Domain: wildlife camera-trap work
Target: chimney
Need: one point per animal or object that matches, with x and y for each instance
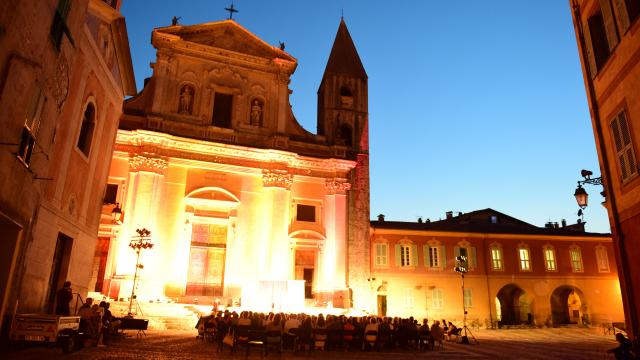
(419, 219)
(381, 217)
(548, 225)
(449, 215)
(555, 225)
(564, 222)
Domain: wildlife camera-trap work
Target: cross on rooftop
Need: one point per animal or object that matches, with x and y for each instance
(231, 10)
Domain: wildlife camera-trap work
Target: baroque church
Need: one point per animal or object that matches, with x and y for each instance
(243, 204)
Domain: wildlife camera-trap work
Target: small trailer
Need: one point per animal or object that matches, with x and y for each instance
(63, 330)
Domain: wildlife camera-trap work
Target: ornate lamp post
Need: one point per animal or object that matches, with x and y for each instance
(462, 267)
(137, 243)
(582, 197)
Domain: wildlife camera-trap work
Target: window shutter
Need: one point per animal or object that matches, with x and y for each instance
(427, 255)
(456, 251)
(588, 45)
(414, 255)
(626, 140)
(443, 257)
(609, 24)
(472, 257)
(623, 15)
(398, 261)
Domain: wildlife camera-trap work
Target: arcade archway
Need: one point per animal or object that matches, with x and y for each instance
(514, 304)
(568, 306)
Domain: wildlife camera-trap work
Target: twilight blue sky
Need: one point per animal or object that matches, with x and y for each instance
(472, 104)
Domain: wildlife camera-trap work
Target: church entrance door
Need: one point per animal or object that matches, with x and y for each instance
(206, 260)
(305, 269)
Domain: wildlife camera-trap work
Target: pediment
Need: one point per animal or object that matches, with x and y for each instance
(227, 35)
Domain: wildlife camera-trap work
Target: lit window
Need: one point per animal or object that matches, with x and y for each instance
(405, 255)
(31, 127)
(408, 297)
(381, 254)
(86, 129)
(437, 300)
(525, 260)
(602, 258)
(549, 259)
(434, 256)
(576, 259)
(624, 146)
(496, 258)
(468, 302)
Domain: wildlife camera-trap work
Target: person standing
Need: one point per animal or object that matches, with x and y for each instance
(63, 298)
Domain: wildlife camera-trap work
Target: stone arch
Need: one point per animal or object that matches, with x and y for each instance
(568, 306)
(515, 305)
(346, 96)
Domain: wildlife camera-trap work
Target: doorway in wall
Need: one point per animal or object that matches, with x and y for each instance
(59, 267)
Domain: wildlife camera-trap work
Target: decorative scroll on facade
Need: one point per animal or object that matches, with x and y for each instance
(337, 186)
(277, 178)
(143, 163)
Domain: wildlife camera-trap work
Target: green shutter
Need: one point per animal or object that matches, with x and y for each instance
(414, 255)
(609, 24)
(623, 15)
(398, 261)
(472, 257)
(427, 255)
(443, 257)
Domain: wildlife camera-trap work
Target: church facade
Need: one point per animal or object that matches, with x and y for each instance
(243, 204)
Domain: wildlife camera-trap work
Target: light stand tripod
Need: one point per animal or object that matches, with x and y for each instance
(462, 268)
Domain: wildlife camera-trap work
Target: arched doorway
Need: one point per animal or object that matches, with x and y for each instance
(382, 300)
(568, 306)
(515, 305)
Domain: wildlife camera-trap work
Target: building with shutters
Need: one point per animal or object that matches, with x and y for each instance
(65, 69)
(608, 37)
(518, 273)
(244, 205)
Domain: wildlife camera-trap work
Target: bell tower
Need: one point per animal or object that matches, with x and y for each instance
(343, 120)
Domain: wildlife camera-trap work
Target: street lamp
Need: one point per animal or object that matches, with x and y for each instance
(582, 197)
(137, 243)
(116, 214)
(462, 267)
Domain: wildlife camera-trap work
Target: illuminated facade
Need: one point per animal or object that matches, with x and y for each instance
(519, 273)
(66, 69)
(243, 204)
(609, 46)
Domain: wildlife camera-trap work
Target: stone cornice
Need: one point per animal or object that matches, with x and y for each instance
(169, 42)
(169, 146)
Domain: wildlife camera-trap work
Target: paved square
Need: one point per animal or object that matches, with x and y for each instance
(493, 344)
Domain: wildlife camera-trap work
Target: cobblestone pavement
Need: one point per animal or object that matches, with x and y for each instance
(493, 344)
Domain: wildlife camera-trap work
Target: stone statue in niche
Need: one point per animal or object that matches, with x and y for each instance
(186, 100)
(256, 113)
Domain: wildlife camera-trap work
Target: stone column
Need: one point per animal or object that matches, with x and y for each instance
(334, 256)
(143, 199)
(277, 199)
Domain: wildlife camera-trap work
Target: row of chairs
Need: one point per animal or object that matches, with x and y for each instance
(245, 338)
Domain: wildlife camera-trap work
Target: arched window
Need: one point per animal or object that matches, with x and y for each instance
(549, 258)
(86, 130)
(346, 97)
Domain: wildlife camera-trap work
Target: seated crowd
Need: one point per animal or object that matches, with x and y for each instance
(97, 322)
(302, 332)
